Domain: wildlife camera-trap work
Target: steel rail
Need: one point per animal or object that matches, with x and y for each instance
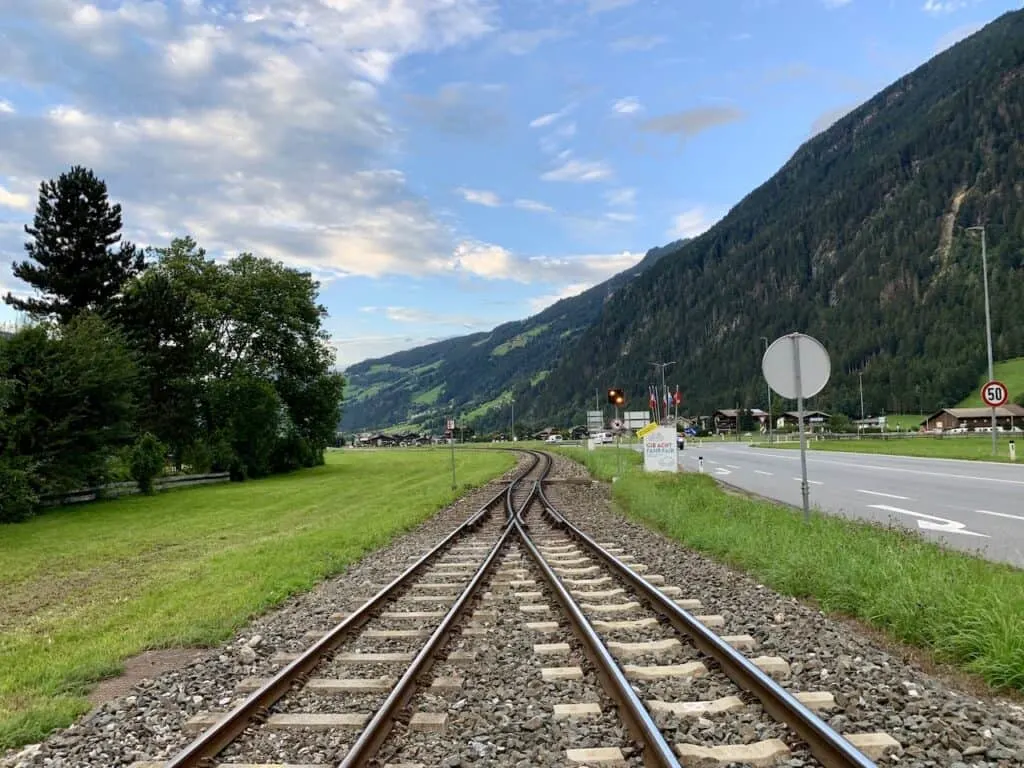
(377, 730)
(657, 752)
(827, 746)
(202, 751)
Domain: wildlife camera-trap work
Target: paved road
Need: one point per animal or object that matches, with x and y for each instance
(970, 505)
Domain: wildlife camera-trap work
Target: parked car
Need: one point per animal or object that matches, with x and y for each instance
(554, 438)
(602, 438)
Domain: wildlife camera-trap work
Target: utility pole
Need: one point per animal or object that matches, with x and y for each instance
(860, 376)
(768, 387)
(664, 391)
(513, 437)
(988, 324)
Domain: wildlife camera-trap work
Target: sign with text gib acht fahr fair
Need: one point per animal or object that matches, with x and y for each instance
(660, 452)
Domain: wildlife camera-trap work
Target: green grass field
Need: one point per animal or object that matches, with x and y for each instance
(963, 609)
(1010, 372)
(974, 448)
(86, 587)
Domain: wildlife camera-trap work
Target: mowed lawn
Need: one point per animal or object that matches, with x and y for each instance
(83, 588)
(977, 448)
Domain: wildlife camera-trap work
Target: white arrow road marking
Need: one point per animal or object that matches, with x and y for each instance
(762, 472)
(999, 514)
(932, 523)
(721, 471)
(886, 495)
(809, 482)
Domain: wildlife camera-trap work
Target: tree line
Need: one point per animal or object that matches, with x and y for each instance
(136, 360)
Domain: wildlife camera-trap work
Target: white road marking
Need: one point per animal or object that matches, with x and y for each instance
(999, 514)
(732, 466)
(762, 472)
(930, 522)
(809, 482)
(721, 471)
(885, 495)
(772, 453)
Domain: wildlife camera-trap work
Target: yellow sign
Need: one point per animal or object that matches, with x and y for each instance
(645, 430)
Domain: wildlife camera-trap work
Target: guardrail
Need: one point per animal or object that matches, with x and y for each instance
(130, 488)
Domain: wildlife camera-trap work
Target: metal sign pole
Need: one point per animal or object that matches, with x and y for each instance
(452, 444)
(804, 490)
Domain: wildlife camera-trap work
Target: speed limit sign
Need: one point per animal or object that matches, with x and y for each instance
(995, 394)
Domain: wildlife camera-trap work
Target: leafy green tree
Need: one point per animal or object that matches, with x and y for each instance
(71, 261)
(840, 422)
(71, 405)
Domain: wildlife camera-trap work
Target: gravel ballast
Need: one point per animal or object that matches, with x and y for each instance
(875, 690)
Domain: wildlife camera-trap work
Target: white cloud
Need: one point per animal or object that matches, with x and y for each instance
(638, 43)
(621, 197)
(691, 223)
(492, 262)
(418, 316)
(6, 107)
(601, 6)
(626, 106)
(14, 200)
(538, 303)
(836, 3)
(276, 141)
(618, 216)
(578, 171)
(533, 205)
(551, 117)
(353, 349)
(520, 42)
(938, 7)
(480, 197)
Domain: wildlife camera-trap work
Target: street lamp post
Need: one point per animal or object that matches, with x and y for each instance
(663, 366)
(988, 323)
(768, 387)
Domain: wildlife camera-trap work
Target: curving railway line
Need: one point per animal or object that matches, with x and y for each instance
(385, 674)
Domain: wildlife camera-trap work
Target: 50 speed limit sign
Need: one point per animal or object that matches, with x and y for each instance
(995, 394)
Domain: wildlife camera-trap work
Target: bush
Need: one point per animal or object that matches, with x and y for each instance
(148, 461)
(198, 458)
(18, 499)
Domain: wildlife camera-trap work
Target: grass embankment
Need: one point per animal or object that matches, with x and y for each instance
(1010, 372)
(964, 609)
(974, 448)
(83, 588)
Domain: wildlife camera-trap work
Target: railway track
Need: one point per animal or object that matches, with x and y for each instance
(632, 661)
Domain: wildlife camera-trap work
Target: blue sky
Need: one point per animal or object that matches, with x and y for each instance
(441, 165)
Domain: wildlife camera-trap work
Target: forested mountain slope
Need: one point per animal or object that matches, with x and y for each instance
(858, 240)
(480, 372)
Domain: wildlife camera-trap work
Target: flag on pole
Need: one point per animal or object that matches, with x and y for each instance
(650, 395)
(678, 398)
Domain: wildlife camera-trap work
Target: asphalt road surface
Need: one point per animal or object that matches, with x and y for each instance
(970, 505)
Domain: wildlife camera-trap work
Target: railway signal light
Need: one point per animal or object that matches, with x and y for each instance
(616, 397)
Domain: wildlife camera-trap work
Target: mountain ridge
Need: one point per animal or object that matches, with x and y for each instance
(481, 372)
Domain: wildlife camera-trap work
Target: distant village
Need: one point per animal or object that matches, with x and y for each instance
(1009, 418)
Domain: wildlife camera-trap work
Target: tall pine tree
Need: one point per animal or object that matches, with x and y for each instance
(71, 261)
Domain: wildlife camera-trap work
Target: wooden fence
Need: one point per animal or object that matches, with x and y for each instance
(113, 490)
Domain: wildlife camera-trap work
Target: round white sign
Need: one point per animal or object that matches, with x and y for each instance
(779, 365)
(995, 394)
